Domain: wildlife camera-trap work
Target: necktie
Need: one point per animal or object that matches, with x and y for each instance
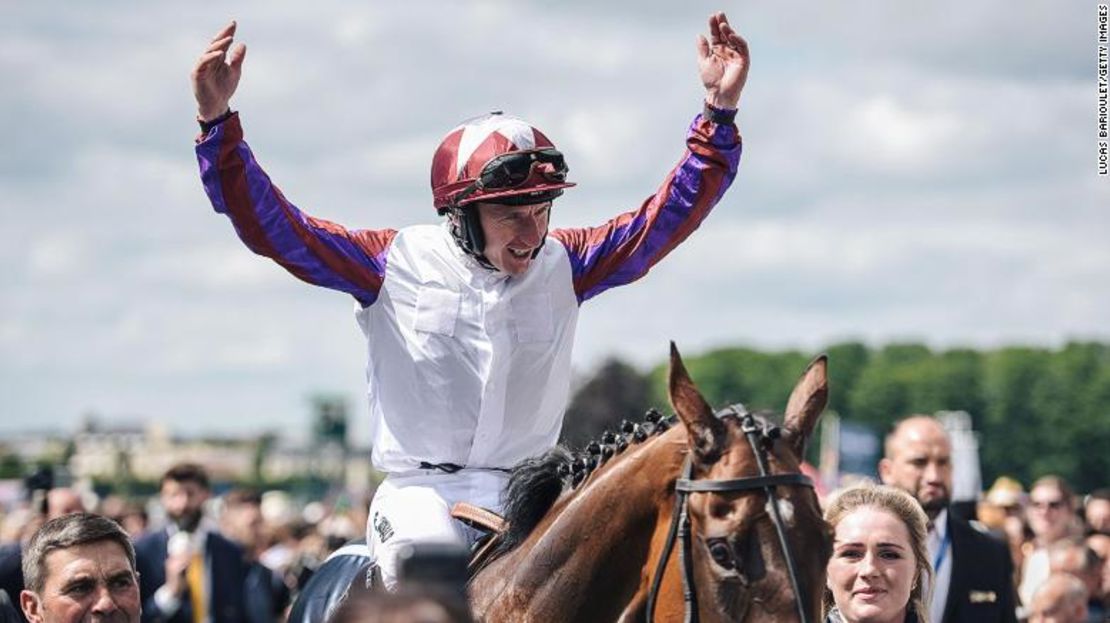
(194, 576)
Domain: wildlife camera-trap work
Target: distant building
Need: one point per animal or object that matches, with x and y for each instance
(109, 453)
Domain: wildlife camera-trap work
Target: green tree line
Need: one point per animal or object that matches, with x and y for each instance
(1037, 410)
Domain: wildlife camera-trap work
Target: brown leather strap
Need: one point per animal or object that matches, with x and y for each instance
(484, 554)
(478, 517)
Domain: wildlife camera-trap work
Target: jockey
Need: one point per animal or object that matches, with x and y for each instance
(469, 323)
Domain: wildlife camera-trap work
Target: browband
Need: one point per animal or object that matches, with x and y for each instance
(740, 484)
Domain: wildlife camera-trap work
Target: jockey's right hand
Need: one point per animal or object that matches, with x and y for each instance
(216, 74)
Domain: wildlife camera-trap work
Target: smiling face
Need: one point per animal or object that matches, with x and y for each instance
(88, 583)
(513, 234)
(871, 572)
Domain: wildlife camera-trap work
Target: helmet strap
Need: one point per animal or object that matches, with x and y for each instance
(466, 229)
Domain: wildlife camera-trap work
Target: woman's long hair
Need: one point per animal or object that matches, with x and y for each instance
(904, 507)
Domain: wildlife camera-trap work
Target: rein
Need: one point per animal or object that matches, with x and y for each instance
(680, 519)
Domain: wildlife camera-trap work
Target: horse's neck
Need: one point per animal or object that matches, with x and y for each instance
(598, 538)
(628, 492)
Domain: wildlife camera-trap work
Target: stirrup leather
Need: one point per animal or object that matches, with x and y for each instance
(487, 521)
(478, 518)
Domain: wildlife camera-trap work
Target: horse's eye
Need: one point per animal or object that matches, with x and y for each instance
(721, 553)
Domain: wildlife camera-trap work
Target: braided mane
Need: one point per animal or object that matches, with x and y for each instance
(536, 483)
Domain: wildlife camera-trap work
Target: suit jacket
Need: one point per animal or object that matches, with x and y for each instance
(982, 587)
(266, 594)
(9, 613)
(11, 576)
(225, 578)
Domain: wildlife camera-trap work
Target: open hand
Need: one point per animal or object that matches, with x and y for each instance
(723, 62)
(216, 74)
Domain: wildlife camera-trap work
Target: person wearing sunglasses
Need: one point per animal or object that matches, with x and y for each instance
(1052, 518)
(469, 323)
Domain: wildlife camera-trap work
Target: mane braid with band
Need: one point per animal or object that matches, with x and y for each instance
(536, 483)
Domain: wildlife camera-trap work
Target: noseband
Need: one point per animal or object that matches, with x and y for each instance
(757, 436)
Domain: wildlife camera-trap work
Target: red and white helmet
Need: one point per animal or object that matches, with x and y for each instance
(465, 151)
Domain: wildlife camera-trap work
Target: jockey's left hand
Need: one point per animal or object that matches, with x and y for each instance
(723, 62)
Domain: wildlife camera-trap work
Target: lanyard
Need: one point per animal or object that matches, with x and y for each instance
(938, 560)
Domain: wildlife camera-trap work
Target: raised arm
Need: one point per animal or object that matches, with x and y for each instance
(626, 247)
(313, 250)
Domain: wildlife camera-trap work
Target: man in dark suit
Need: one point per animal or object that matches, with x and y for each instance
(188, 572)
(11, 578)
(971, 571)
(8, 612)
(241, 520)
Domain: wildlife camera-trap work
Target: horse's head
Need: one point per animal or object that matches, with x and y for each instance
(738, 565)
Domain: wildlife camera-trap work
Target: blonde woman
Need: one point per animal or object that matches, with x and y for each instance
(879, 571)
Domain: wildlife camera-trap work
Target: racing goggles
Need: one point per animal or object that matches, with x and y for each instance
(516, 169)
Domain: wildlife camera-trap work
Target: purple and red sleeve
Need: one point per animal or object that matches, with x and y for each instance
(313, 250)
(624, 249)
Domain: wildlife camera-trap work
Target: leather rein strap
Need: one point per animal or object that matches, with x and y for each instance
(680, 519)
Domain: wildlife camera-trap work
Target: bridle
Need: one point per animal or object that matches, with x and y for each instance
(758, 435)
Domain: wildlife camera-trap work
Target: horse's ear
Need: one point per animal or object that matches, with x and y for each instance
(705, 431)
(807, 402)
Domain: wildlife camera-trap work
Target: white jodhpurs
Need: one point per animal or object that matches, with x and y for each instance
(415, 507)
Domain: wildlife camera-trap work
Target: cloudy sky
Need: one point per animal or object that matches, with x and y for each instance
(912, 171)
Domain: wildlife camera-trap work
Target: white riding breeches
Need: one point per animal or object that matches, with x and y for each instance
(415, 507)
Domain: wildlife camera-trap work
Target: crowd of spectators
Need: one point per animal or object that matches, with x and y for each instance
(1060, 544)
(238, 556)
(243, 555)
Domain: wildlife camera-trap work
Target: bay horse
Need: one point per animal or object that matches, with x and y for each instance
(591, 538)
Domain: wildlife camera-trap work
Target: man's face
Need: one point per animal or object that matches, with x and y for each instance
(87, 583)
(184, 502)
(1049, 513)
(920, 462)
(1098, 516)
(513, 233)
(244, 524)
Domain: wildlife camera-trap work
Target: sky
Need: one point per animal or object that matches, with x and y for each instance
(911, 172)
